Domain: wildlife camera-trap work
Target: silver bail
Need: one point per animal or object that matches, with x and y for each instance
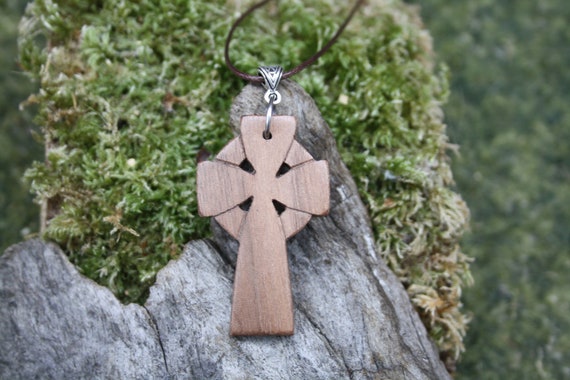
(271, 78)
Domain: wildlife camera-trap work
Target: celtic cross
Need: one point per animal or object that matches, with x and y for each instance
(263, 191)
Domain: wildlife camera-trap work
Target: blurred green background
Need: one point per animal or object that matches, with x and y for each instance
(18, 215)
(509, 111)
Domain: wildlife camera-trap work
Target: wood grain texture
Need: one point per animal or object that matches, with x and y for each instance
(297, 155)
(57, 324)
(262, 303)
(353, 318)
(221, 187)
(232, 152)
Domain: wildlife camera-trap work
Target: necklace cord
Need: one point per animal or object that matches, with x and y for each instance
(296, 69)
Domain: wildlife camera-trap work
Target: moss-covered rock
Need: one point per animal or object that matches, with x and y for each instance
(131, 92)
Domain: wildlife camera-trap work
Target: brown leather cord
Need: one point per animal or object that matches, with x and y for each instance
(296, 69)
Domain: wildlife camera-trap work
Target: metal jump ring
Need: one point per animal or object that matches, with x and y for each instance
(275, 94)
(266, 132)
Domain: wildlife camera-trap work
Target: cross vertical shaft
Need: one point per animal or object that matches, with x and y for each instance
(262, 302)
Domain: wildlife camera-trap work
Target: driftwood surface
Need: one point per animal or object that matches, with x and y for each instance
(353, 319)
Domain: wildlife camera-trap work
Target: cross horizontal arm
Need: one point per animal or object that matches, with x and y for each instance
(306, 188)
(221, 186)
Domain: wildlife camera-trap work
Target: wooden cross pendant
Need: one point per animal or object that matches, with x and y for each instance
(263, 191)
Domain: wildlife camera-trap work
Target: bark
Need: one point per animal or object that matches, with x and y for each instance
(353, 318)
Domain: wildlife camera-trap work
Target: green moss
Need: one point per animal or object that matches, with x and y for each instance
(132, 91)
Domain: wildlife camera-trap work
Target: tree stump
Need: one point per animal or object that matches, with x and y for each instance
(353, 318)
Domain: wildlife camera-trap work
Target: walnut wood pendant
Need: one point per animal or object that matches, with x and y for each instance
(263, 191)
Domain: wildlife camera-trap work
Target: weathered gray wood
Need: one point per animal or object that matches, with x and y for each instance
(57, 324)
(353, 319)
